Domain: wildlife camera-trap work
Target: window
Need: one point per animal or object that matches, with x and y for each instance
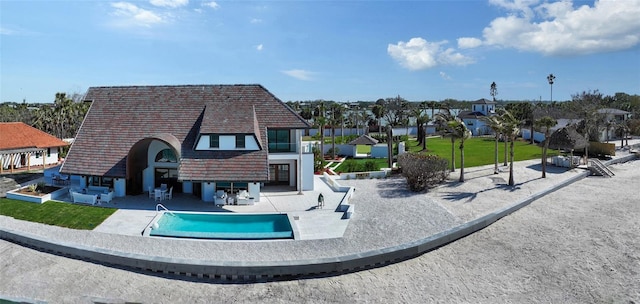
(214, 141)
(279, 141)
(48, 152)
(166, 156)
(240, 141)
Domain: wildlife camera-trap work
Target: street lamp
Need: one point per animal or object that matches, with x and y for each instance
(550, 78)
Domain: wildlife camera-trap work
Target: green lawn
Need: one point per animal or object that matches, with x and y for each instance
(56, 213)
(478, 151)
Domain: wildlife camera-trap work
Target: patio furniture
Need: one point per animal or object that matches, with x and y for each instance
(169, 195)
(163, 187)
(243, 198)
(84, 198)
(151, 193)
(159, 194)
(220, 198)
(106, 197)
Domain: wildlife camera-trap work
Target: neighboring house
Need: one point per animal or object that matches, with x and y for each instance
(23, 146)
(473, 119)
(195, 138)
(613, 118)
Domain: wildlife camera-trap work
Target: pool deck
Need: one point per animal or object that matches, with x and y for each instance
(388, 217)
(135, 213)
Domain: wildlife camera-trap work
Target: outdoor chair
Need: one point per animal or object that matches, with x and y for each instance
(151, 193)
(169, 195)
(221, 198)
(163, 186)
(158, 195)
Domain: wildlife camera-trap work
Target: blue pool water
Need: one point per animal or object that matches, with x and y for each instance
(223, 226)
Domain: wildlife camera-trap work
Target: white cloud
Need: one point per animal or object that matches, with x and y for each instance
(131, 15)
(445, 76)
(256, 20)
(559, 28)
(299, 74)
(211, 4)
(419, 54)
(169, 3)
(469, 43)
(259, 47)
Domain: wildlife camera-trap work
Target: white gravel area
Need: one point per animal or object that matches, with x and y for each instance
(576, 245)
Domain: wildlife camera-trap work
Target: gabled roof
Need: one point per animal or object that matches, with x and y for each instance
(469, 114)
(18, 135)
(364, 140)
(120, 117)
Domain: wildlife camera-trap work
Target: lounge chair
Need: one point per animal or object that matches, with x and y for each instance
(220, 198)
(243, 198)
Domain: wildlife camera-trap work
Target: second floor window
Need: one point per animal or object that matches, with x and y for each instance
(214, 141)
(279, 141)
(239, 141)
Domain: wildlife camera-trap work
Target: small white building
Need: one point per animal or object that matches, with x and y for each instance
(23, 146)
(473, 119)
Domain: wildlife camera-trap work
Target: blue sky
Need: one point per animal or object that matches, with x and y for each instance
(332, 50)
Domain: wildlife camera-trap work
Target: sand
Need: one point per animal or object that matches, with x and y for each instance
(577, 245)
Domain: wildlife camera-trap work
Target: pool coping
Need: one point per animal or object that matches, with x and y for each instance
(256, 270)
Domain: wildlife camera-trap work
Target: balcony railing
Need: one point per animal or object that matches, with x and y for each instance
(282, 147)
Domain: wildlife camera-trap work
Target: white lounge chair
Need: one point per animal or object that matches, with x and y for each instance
(221, 198)
(243, 198)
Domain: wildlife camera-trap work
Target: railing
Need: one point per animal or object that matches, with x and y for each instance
(600, 168)
(158, 206)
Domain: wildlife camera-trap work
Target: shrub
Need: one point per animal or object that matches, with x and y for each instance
(349, 166)
(330, 151)
(370, 165)
(422, 170)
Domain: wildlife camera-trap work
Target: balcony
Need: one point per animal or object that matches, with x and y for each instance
(282, 147)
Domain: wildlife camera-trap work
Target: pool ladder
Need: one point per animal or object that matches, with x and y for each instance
(158, 206)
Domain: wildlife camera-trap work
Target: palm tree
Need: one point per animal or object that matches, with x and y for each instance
(334, 119)
(321, 120)
(494, 123)
(511, 129)
(546, 123)
(460, 130)
(378, 112)
(443, 118)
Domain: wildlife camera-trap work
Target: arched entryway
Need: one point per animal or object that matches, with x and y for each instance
(153, 160)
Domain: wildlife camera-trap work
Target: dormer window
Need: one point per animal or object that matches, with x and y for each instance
(240, 141)
(214, 141)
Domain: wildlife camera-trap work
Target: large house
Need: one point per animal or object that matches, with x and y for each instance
(474, 118)
(195, 138)
(23, 146)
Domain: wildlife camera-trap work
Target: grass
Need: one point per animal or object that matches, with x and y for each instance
(478, 151)
(56, 213)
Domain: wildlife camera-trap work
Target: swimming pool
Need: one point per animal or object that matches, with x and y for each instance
(227, 226)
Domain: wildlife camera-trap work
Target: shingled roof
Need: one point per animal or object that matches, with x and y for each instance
(120, 117)
(15, 136)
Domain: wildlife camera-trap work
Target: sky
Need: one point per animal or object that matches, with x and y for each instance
(344, 51)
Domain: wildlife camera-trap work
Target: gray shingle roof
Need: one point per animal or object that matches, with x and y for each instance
(120, 117)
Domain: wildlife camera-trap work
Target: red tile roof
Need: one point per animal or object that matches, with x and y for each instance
(18, 135)
(120, 117)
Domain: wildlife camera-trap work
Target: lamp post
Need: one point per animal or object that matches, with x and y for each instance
(550, 78)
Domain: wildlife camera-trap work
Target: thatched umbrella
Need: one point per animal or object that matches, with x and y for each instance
(567, 139)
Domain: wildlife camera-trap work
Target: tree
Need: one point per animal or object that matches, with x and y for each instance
(460, 131)
(422, 170)
(522, 111)
(395, 110)
(495, 124)
(443, 118)
(378, 112)
(493, 91)
(545, 123)
(511, 128)
(321, 120)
